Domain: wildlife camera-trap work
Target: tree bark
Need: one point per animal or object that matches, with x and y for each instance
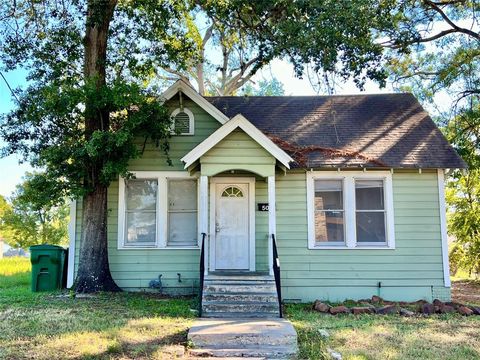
(93, 269)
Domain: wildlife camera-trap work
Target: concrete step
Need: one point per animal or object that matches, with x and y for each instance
(244, 334)
(239, 277)
(240, 297)
(238, 288)
(263, 352)
(237, 315)
(240, 307)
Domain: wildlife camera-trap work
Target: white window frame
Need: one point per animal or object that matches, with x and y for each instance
(191, 125)
(162, 209)
(348, 179)
(333, 244)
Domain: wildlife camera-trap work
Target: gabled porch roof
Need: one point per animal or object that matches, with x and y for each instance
(237, 122)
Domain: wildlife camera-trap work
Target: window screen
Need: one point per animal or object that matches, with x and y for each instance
(141, 206)
(370, 211)
(182, 213)
(329, 212)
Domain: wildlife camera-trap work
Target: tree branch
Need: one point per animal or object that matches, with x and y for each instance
(9, 87)
(454, 26)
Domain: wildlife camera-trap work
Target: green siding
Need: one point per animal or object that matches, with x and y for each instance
(154, 160)
(261, 227)
(240, 152)
(412, 271)
(133, 269)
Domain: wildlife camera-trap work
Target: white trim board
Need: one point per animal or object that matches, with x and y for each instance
(72, 228)
(272, 220)
(348, 181)
(186, 89)
(238, 121)
(161, 211)
(443, 226)
(251, 204)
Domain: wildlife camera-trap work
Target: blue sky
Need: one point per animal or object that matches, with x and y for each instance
(12, 172)
(10, 169)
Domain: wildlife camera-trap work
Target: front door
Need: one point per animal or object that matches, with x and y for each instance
(232, 226)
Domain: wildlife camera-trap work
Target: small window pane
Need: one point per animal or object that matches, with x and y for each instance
(183, 229)
(141, 194)
(182, 195)
(329, 226)
(369, 195)
(232, 191)
(371, 227)
(182, 213)
(140, 227)
(328, 195)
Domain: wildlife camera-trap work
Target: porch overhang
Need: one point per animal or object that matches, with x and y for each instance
(237, 122)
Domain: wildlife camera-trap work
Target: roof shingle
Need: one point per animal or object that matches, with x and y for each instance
(382, 130)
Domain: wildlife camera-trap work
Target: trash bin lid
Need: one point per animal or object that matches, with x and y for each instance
(46, 247)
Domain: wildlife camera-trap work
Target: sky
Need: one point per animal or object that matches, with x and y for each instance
(12, 172)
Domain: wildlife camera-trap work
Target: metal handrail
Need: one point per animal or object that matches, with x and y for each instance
(202, 272)
(276, 273)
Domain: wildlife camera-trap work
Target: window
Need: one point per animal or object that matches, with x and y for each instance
(232, 191)
(370, 211)
(350, 210)
(182, 213)
(158, 210)
(141, 205)
(329, 213)
(183, 122)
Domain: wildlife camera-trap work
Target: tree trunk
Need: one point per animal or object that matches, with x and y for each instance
(93, 269)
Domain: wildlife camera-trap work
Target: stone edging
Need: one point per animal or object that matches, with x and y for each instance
(376, 305)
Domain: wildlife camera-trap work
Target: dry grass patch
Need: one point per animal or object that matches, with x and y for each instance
(388, 337)
(107, 326)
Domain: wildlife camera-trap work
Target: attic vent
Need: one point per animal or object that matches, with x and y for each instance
(182, 122)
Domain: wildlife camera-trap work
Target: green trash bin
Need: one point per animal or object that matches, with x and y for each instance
(48, 265)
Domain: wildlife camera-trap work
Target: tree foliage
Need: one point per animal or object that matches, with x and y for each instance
(463, 197)
(241, 37)
(48, 125)
(435, 53)
(92, 70)
(30, 219)
(273, 87)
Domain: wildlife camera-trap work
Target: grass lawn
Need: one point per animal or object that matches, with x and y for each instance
(449, 336)
(386, 337)
(141, 326)
(119, 326)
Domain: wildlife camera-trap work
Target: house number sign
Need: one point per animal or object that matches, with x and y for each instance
(262, 206)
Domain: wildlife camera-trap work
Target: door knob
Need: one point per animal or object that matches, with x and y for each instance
(217, 227)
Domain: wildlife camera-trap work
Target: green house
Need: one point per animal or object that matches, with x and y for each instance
(346, 191)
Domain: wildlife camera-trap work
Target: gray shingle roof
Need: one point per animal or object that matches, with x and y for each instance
(383, 130)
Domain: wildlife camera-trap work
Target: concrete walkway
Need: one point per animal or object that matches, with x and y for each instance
(254, 338)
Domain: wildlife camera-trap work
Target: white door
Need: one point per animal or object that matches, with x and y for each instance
(231, 226)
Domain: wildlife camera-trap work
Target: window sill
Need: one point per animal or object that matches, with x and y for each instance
(363, 247)
(159, 248)
(182, 134)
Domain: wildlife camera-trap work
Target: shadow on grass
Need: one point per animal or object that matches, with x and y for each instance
(149, 341)
(54, 325)
(448, 336)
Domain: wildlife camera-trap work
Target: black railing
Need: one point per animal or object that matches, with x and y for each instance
(202, 273)
(276, 273)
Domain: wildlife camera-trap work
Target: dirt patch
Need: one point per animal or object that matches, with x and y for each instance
(466, 291)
